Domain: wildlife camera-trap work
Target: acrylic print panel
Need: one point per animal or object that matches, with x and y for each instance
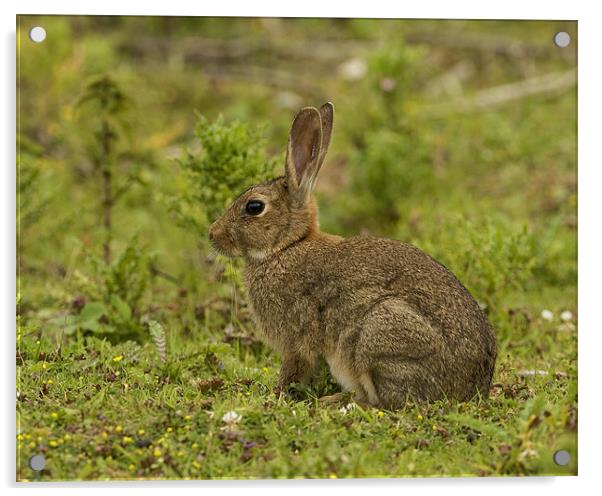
(177, 322)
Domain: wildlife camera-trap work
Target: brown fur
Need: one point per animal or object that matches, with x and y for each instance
(391, 322)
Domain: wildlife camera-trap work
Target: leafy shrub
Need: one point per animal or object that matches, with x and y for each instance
(387, 92)
(557, 249)
(109, 299)
(392, 74)
(393, 166)
(391, 160)
(231, 158)
(491, 258)
(33, 199)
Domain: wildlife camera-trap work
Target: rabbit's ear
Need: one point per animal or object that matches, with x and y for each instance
(303, 153)
(327, 115)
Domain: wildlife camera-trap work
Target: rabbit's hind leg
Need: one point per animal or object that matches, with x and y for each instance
(396, 384)
(397, 355)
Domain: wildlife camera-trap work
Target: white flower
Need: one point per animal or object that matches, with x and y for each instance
(547, 315)
(347, 408)
(566, 315)
(353, 69)
(231, 418)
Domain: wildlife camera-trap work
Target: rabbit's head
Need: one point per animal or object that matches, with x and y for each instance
(270, 216)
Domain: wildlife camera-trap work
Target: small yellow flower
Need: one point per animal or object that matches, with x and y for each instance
(434, 427)
(381, 413)
(420, 417)
(31, 445)
(118, 428)
(27, 436)
(104, 434)
(49, 381)
(20, 437)
(44, 365)
(54, 415)
(53, 443)
(127, 440)
(157, 452)
(66, 437)
(187, 417)
(265, 369)
(169, 429)
(118, 373)
(141, 432)
(38, 342)
(118, 358)
(332, 476)
(132, 467)
(195, 445)
(180, 453)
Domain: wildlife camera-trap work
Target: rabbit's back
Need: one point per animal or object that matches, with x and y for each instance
(389, 267)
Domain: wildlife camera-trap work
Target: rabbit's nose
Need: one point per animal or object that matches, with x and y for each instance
(214, 233)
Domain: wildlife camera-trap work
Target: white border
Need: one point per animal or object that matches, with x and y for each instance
(590, 162)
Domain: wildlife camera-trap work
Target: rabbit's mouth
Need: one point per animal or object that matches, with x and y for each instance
(222, 242)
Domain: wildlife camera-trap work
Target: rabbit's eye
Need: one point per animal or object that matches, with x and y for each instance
(254, 207)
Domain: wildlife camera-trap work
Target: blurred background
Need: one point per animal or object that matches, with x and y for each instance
(135, 132)
(434, 120)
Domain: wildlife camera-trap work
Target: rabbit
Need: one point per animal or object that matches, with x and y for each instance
(392, 323)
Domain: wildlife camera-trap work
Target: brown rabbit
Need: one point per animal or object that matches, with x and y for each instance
(391, 322)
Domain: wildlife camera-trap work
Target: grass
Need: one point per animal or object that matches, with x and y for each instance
(102, 411)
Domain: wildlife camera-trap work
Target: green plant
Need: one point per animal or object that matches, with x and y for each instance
(158, 334)
(232, 157)
(392, 159)
(393, 71)
(107, 101)
(491, 258)
(109, 295)
(393, 166)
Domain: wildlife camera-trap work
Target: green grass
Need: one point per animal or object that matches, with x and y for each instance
(102, 411)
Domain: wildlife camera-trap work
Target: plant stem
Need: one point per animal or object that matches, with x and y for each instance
(107, 180)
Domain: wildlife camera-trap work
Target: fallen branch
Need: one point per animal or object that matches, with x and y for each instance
(196, 50)
(547, 84)
(275, 78)
(480, 42)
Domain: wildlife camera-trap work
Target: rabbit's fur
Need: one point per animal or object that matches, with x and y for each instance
(391, 322)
